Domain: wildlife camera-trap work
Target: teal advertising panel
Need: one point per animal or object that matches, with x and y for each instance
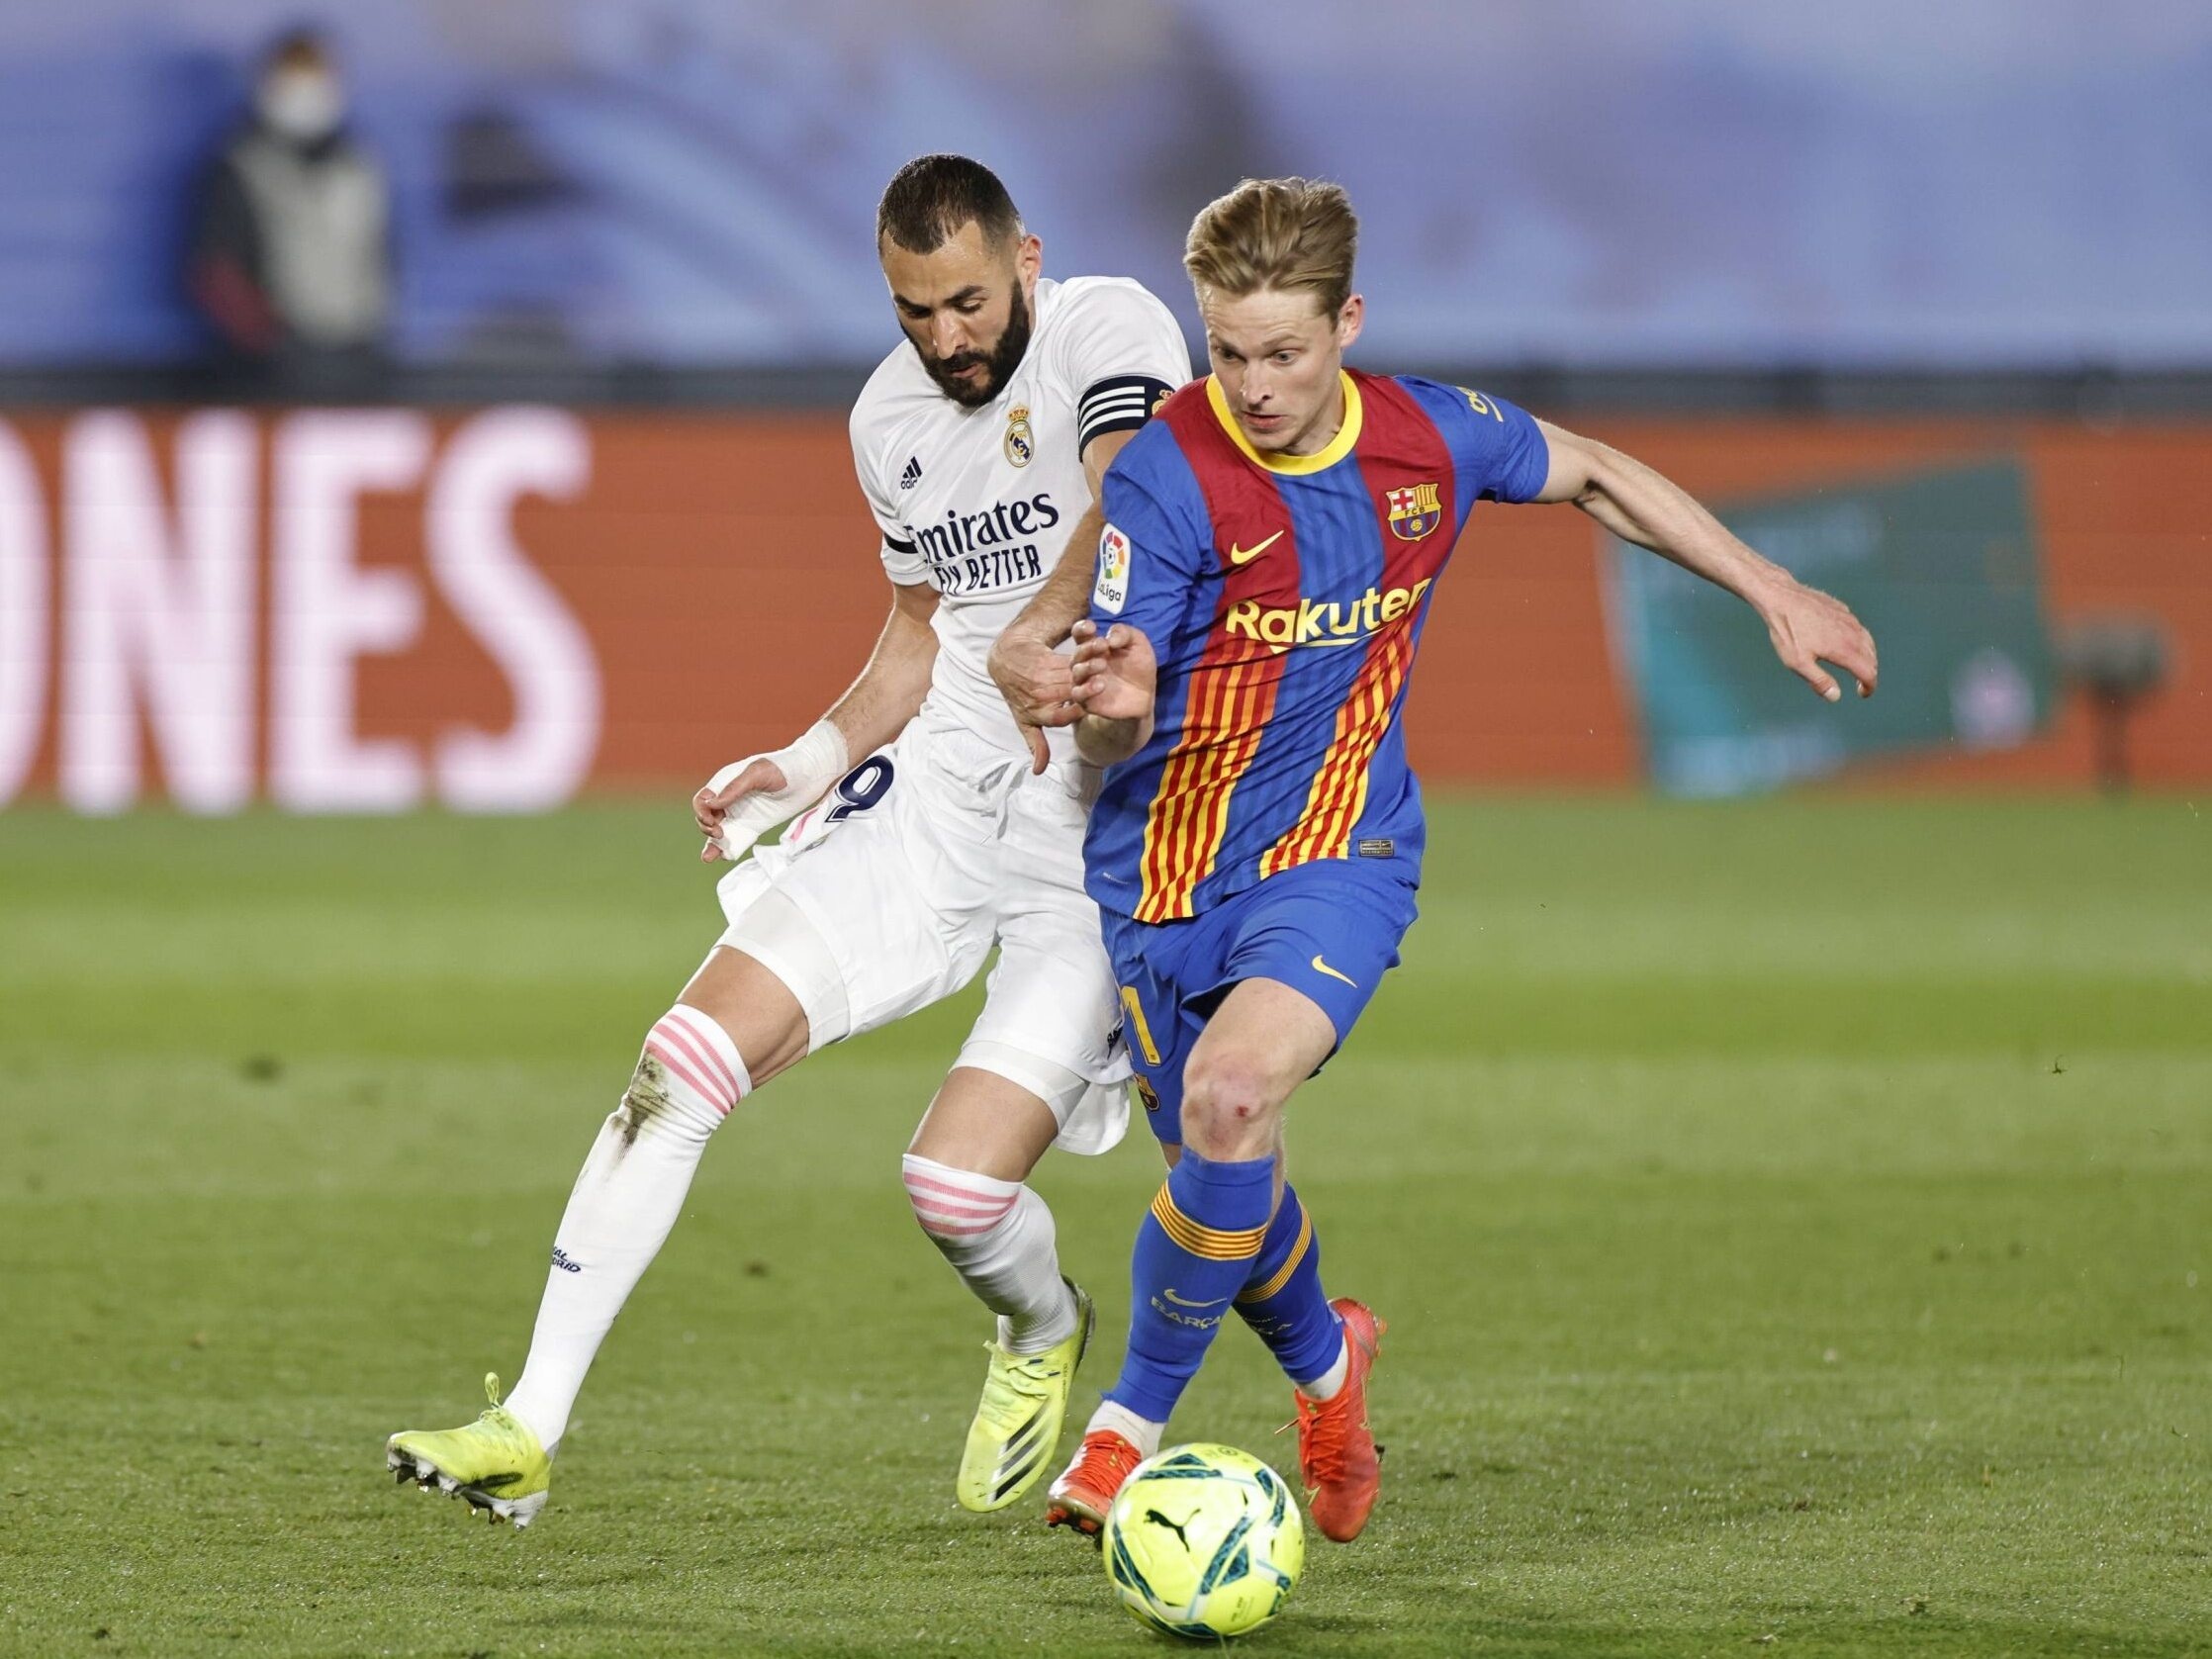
(1941, 564)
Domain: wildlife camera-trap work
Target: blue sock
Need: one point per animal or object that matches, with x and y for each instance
(1284, 1303)
(1194, 1254)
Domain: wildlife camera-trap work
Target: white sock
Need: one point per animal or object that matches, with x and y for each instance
(1140, 1431)
(1324, 1386)
(626, 1199)
(998, 1236)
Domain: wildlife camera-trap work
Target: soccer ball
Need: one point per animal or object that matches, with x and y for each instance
(1204, 1542)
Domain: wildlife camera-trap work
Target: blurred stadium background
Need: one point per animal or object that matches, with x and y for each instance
(1825, 1177)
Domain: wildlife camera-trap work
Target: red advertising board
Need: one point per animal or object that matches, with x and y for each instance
(372, 609)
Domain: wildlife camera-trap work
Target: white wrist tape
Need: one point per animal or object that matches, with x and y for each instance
(810, 767)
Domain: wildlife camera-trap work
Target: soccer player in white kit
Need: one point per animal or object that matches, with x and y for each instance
(980, 444)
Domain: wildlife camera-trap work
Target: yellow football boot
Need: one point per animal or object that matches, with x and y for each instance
(1017, 1424)
(495, 1462)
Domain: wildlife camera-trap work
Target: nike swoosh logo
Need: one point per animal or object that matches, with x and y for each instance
(1181, 1303)
(1320, 966)
(1246, 555)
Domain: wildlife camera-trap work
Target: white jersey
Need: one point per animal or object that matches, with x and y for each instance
(979, 503)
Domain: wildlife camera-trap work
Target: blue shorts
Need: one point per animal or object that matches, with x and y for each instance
(1328, 929)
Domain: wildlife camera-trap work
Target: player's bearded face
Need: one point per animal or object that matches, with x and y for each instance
(957, 375)
(966, 306)
(1277, 356)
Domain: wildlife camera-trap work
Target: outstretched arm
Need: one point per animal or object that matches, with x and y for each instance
(1030, 675)
(877, 707)
(744, 801)
(1808, 627)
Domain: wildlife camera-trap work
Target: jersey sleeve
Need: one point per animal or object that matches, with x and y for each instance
(1121, 354)
(903, 560)
(1497, 447)
(1150, 563)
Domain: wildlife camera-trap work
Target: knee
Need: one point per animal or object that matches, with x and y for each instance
(688, 1076)
(653, 1105)
(953, 1205)
(1230, 1106)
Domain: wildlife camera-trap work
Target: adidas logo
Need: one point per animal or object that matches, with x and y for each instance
(912, 475)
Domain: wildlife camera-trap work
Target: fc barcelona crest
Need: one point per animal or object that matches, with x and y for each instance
(1020, 445)
(1414, 510)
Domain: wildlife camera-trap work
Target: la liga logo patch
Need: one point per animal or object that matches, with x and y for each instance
(1111, 591)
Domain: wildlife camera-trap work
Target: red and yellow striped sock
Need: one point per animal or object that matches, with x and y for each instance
(1194, 1252)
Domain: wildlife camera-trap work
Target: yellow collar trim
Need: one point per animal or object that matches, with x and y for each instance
(1328, 455)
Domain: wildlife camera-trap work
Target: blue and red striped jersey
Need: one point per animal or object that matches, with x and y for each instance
(1284, 597)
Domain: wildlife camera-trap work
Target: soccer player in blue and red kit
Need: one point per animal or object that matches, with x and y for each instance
(1273, 542)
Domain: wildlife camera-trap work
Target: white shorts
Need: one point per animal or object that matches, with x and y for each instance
(888, 894)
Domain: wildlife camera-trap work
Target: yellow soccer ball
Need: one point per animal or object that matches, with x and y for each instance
(1204, 1542)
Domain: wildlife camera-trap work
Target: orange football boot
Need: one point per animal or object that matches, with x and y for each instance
(1085, 1490)
(1336, 1452)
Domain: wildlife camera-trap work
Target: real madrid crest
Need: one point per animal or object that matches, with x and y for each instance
(1020, 445)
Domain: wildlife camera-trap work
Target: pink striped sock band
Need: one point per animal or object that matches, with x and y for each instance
(956, 1203)
(700, 1055)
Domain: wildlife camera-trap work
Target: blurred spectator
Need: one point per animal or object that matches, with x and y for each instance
(291, 255)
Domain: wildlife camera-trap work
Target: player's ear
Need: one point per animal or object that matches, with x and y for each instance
(1029, 260)
(1348, 321)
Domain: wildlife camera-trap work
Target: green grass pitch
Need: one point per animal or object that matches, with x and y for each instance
(1794, 1223)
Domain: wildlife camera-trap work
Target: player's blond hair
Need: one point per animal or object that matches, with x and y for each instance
(1281, 233)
